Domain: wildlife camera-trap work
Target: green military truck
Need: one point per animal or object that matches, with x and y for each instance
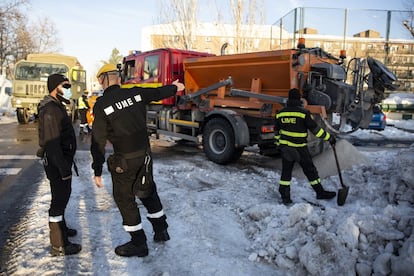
(30, 82)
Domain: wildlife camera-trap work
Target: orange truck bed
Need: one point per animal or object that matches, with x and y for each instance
(271, 73)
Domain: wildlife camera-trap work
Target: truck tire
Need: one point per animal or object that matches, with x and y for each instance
(22, 115)
(218, 142)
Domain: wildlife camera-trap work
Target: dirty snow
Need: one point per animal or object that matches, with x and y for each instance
(399, 98)
(229, 220)
(395, 130)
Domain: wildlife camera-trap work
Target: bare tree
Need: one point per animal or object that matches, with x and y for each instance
(18, 38)
(180, 17)
(10, 20)
(23, 42)
(408, 22)
(44, 36)
(245, 17)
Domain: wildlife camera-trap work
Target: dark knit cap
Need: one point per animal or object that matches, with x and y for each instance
(54, 80)
(294, 94)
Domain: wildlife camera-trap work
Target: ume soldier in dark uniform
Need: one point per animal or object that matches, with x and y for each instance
(120, 117)
(291, 132)
(57, 143)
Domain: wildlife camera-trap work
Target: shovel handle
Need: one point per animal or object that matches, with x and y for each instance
(337, 166)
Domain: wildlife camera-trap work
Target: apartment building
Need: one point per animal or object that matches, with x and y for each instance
(397, 54)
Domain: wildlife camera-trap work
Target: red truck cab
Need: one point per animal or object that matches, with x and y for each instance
(156, 68)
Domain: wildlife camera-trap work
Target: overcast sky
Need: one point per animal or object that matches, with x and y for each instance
(90, 30)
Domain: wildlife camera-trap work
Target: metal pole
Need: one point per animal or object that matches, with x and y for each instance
(387, 37)
(302, 22)
(345, 28)
(212, 87)
(280, 34)
(294, 27)
(248, 94)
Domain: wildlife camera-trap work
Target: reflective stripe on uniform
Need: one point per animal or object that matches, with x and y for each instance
(293, 134)
(108, 110)
(133, 228)
(277, 137)
(322, 132)
(56, 219)
(290, 144)
(319, 133)
(284, 182)
(156, 215)
(316, 181)
(291, 114)
(122, 104)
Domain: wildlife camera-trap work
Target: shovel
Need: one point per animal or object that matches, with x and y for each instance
(343, 192)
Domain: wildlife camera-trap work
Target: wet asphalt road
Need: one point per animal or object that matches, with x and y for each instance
(20, 175)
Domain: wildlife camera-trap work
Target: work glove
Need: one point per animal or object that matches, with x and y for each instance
(332, 140)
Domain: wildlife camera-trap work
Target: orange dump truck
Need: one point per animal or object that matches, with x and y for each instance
(230, 101)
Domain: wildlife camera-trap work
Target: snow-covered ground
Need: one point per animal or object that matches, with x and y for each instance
(5, 104)
(404, 98)
(395, 130)
(229, 220)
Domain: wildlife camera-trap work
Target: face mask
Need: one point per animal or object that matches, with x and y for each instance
(65, 94)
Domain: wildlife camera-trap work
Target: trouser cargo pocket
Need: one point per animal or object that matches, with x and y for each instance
(144, 182)
(117, 163)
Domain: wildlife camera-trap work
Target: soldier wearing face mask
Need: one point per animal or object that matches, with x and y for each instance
(57, 143)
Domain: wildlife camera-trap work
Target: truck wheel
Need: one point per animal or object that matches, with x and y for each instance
(218, 142)
(23, 115)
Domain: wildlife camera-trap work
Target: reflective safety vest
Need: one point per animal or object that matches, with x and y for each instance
(292, 125)
(81, 103)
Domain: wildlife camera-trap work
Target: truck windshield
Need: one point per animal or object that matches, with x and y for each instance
(35, 71)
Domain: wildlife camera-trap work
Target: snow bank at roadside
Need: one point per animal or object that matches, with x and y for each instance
(371, 233)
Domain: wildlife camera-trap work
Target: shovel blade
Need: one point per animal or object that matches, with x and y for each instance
(342, 195)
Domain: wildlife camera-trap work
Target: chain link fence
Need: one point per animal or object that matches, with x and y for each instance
(386, 35)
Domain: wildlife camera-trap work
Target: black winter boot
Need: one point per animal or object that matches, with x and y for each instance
(59, 243)
(69, 232)
(136, 247)
(284, 191)
(161, 236)
(321, 193)
(160, 225)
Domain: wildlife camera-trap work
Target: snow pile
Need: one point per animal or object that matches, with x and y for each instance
(348, 156)
(389, 132)
(5, 102)
(406, 164)
(399, 98)
(402, 124)
(371, 233)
